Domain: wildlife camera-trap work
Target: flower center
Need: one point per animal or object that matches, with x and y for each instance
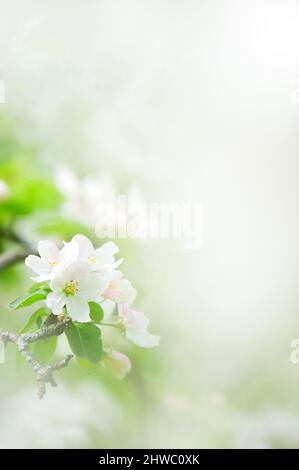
(92, 259)
(54, 262)
(71, 288)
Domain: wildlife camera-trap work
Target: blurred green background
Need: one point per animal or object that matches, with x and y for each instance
(174, 101)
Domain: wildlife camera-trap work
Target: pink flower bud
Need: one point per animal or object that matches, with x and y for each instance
(118, 364)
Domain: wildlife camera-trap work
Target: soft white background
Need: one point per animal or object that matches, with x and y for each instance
(193, 101)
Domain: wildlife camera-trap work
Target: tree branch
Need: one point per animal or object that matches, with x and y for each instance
(12, 257)
(44, 372)
(17, 254)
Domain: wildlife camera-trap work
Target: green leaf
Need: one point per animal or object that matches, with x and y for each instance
(39, 286)
(39, 322)
(34, 194)
(44, 349)
(88, 367)
(57, 225)
(85, 341)
(28, 299)
(96, 312)
(35, 320)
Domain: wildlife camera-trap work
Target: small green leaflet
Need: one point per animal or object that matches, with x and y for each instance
(85, 341)
(89, 367)
(39, 286)
(28, 299)
(35, 320)
(96, 312)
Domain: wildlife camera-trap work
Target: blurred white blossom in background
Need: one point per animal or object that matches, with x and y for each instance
(4, 191)
(271, 428)
(65, 419)
(86, 197)
(94, 198)
(190, 101)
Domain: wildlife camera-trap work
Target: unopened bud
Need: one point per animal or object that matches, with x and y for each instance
(117, 364)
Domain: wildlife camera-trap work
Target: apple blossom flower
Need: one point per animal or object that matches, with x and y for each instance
(93, 201)
(73, 288)
(136, 324)
(117, 364)
(79, 274)
(99, 259)
(86, 198)
(51, 259)
(120, 290)
(4, 191)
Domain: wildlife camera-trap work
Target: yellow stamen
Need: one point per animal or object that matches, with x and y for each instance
(54, 262)
(71, 288)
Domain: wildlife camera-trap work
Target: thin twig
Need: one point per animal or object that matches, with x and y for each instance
(44, 372)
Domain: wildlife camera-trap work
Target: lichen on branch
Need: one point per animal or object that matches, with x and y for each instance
(44, 373)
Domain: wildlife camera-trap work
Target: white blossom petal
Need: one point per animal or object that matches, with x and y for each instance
(58, 282)
(143, 339)
(136, 324)
(105, 254)
(37, 265)
(108, 307)
(47, 250)
(78, 308)
(116, 264)
(120, 291)
(109, 247)
(86, 248)
(69, 253)
(133, 319)
(92, 287)
(55, 302)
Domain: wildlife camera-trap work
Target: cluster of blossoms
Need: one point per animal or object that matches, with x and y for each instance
(78, 274)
